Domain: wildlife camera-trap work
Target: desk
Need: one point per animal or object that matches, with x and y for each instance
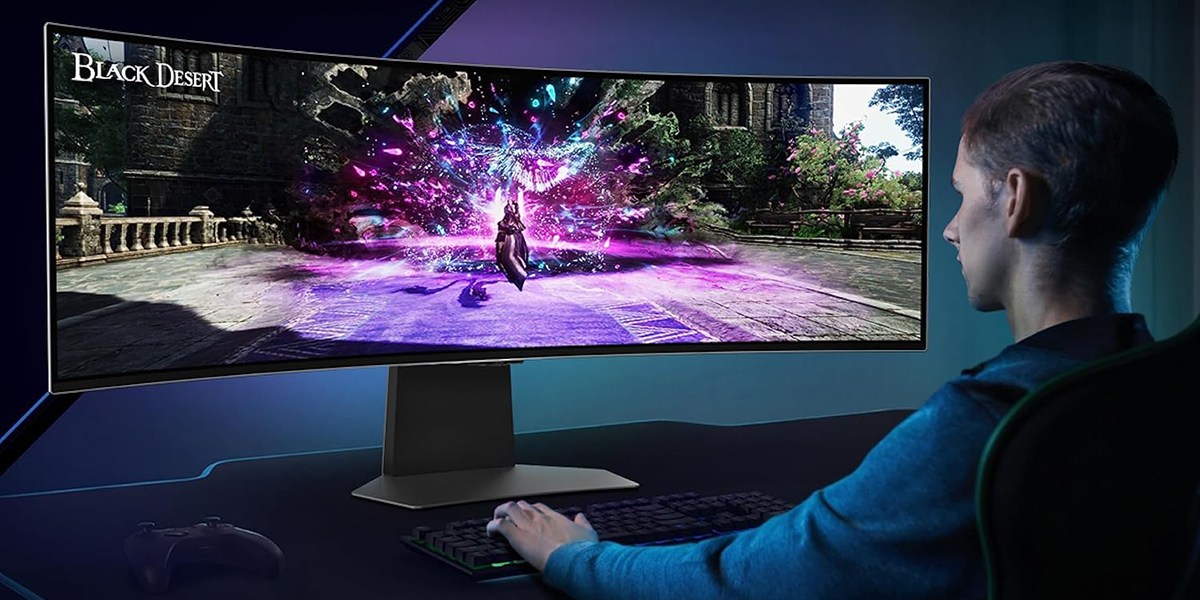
(69, 545)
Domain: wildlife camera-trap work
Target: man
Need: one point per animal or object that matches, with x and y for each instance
(1060, 167)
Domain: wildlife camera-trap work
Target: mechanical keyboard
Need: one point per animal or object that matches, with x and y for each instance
(657, 520)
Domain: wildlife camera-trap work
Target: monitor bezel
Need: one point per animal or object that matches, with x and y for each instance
(497, 355)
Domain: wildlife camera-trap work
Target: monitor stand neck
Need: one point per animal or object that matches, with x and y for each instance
(449, 440)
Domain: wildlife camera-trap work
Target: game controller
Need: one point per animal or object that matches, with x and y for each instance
(155, 553)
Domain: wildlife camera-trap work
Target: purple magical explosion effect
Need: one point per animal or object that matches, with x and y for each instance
(428, 183)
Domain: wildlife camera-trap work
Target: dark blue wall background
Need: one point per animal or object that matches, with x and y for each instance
(176, 429)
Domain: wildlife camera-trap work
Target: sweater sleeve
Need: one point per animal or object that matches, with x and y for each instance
(902, 525)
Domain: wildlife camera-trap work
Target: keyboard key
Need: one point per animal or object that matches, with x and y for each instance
(419, 533)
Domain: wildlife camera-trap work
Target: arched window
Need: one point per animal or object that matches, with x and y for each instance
(256, 75)
(790, 100)
(728, 101)
(803, 105)
(188, 59)
(782, 99)
(185, 59)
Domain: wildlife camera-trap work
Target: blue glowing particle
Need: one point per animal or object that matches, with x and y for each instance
(535, 103)
(550, 91)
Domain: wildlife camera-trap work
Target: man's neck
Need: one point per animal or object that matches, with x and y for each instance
(1034, 308)
(1025, 325)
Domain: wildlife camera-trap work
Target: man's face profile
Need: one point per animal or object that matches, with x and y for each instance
(977, 233)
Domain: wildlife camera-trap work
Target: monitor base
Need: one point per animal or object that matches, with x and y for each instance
(448, 439)
(431, 490)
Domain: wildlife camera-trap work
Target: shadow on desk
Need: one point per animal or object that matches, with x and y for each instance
(69, 545)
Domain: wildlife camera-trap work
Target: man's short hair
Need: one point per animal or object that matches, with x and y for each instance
(1100, 137)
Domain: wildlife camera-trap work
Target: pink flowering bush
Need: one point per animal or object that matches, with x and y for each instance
(832, 171)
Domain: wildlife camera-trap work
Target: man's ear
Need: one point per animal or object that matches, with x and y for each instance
(1025, 198)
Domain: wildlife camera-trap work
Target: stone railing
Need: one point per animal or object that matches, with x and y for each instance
(84, 235)
(852, 224)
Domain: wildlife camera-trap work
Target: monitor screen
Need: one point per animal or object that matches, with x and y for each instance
(221, 210)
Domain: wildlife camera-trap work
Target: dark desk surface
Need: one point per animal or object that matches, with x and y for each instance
(70, 545)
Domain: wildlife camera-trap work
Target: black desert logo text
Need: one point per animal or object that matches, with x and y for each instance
(162, 75)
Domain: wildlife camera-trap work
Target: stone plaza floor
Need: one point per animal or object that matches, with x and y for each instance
(243, 304)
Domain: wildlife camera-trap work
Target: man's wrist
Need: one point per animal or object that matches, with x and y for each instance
(561, 556)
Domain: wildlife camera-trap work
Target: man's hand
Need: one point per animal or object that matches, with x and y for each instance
(536, 530)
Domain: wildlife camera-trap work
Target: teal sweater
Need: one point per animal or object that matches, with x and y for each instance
(902, 525)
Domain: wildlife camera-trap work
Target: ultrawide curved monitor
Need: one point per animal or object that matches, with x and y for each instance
(220, 210)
